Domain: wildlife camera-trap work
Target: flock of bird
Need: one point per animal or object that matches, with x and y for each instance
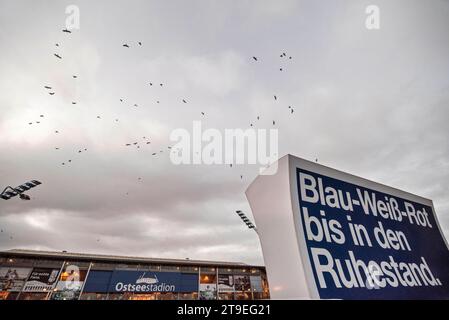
(282, 55)
(144, 141)
(51, 91)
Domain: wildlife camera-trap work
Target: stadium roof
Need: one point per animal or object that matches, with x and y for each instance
(116, 259)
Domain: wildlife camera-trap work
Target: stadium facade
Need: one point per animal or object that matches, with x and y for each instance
(43, 275)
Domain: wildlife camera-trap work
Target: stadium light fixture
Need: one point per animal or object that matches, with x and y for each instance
(10, 192)
(24, 196)
(246, 220)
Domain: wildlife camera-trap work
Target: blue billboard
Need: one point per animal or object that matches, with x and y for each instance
(148, 281)
(97, 281)
(367, 244)
(140, 281)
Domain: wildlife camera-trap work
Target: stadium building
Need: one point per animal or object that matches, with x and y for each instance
(43, 275)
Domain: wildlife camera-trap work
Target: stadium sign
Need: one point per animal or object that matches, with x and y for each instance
(326, 234)
(142, 282)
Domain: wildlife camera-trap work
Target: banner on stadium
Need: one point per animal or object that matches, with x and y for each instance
(98, 281)
(242, 283)
(41, 280)
(226, 283)
(12, 279)
(70, 282)
(149, 281)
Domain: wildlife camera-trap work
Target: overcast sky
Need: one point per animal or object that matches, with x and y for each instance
(374, 103)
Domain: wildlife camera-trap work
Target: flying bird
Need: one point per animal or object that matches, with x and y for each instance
(47, 87)
(202, 113)
(184, 101)
(255, 58)
(275, 97)
(57, 56)
(66, 31)
(51, 93)
(274, 122)
(73, 102)
(126, 46)
(140, 43)
(74, 76)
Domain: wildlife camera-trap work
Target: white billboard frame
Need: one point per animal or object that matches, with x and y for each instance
(281, 236)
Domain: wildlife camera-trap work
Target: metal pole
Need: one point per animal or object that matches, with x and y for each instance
(24, 283)
(199, 282)
(85, 279)
(56, 283)
(216, 284)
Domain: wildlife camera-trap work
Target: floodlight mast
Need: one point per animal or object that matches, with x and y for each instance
(10, 192)
(247, 221)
